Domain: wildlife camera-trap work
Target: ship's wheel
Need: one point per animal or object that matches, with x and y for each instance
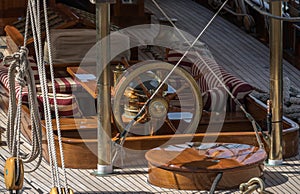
(175, 108)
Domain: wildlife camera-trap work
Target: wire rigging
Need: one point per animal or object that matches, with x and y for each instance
(255, 125)
(124, 134)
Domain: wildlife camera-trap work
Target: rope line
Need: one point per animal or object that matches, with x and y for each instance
(54, 96)
(255, 125)
(20, 72)
(124, 134)
(35, 17)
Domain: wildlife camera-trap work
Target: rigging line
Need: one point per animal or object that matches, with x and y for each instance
(36, 35)
(54, 96)
(26, 25)
(127, 128)
(49, 125)
(190, 45)
(287, 19)
(251, 119)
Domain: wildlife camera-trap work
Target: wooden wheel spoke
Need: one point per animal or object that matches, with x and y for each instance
(172, 96)
(143, 116)
(161, 90)
(144, 88)
(170, 124)
(180, 109)
(153, 126)
(138, 79)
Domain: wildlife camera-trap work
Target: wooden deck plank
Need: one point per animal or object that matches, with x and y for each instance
(284, 179)
(238, 52)
(3, 45)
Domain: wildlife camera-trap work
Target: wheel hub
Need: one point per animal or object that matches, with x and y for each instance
(158, 108)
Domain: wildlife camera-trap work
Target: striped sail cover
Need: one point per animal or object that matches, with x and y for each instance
(174, 55)
(215, 100)
(208, 81)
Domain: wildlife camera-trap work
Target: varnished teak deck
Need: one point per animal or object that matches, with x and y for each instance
(238, 53)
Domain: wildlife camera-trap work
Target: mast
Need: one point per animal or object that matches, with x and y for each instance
(275, 156)
(104, 165)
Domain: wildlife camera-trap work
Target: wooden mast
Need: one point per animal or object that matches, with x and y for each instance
(104, 165)
(275, 156)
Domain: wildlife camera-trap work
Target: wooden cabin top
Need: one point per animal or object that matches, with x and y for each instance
(204, 157)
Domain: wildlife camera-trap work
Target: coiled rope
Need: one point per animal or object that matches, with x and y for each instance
(20, 75)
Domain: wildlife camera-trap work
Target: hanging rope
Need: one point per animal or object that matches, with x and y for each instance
(19, 70)
(34, 10)
(54, 96)
(20, 76)
(36, 31)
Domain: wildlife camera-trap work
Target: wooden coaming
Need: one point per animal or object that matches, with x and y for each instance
(80, 152)
(195, 168)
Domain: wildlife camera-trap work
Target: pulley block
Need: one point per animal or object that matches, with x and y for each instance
(14, 173)
(54, 190)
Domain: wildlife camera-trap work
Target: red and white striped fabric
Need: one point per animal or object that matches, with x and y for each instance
(5, 82)
(67, 105)
(207, 80)
(215, 100)
(34, 69)
(63, 85)
(174, 56)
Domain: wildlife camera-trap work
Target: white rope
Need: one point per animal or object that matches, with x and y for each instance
(35, 20)
(54, 97)
(26, 24)
(19, 70)
(36, 29)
